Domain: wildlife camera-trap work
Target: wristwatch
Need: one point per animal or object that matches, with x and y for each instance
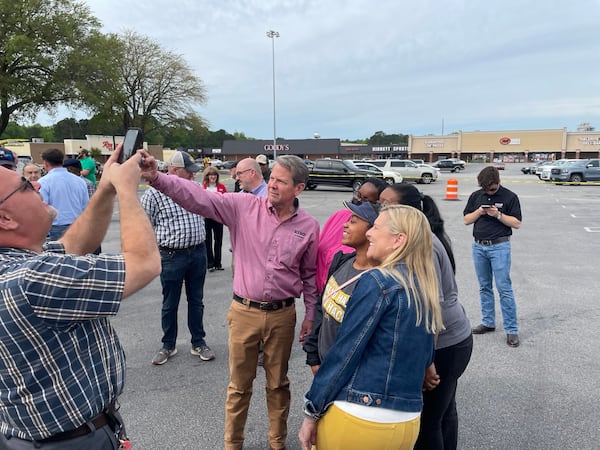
(499, 216)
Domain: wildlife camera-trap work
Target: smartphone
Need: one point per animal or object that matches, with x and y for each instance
(134, 139)
(485, 206)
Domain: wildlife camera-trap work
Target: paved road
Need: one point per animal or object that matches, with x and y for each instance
(542, 395)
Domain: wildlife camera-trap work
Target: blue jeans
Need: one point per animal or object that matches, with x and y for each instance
(57, 231)
(181, 266)
(493, 261)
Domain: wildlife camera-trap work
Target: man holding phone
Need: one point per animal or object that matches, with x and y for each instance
(63, 367)
(494, 211)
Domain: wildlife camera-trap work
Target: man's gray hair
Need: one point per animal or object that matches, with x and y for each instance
(296, 166)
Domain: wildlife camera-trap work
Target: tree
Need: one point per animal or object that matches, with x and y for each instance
(51, 51)
(157, 88)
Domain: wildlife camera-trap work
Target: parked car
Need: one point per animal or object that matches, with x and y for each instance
(309, 163)
(337, 172)
(530, 168)
(230, 164)
(389, 176)
(162, 166)
(498, 165)
(451, 164)
(576, 171)
(216, 163)
(408, 169)
(547, 169)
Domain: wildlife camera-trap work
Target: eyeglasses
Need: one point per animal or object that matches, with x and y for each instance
(239, 172)
(25, 185)
(359, 199)
(492, 188)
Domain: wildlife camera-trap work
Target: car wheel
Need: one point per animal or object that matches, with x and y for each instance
(389, 181)
(311, 186)
(575, 178)
(426, 178)
(356, 185)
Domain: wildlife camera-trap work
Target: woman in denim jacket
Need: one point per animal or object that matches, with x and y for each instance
(368, 390)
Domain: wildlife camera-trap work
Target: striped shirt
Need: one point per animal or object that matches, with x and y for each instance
(61, 362)
(174, 226)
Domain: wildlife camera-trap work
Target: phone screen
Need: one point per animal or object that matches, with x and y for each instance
(134, 139)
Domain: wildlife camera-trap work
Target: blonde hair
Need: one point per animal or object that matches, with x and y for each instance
(417, 254)
(210, 171)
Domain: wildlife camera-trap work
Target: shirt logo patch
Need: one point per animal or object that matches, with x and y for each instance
(300, 234)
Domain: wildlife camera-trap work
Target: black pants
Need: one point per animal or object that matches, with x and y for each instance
(213, 249)
(439, 418)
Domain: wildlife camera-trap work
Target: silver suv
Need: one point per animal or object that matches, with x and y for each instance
(408, 169)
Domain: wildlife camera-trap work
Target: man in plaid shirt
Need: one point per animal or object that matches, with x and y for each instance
(62, 367)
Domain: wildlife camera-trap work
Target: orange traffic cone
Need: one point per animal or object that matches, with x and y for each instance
(452, 189)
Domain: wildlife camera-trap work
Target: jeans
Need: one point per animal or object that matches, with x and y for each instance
(181, 266)
(248, 327)
(494, 261)
(213, 250)
(57, 231)
(439, 418)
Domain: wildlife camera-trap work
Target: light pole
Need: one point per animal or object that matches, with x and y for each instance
(272, 35)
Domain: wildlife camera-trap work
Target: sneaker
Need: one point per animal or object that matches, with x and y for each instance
(219, 268)
(204, 352)
(163, 356)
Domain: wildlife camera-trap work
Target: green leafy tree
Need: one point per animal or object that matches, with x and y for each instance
(156, 88)
(51, 53)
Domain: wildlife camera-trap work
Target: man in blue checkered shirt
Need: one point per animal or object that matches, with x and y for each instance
(62, 367)
(180, 235)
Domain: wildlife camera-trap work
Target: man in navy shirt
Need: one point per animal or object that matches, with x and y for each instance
(494, 211)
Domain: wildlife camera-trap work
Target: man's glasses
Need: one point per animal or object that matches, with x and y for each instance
(25, 185)
(239, 172)
(491, 189)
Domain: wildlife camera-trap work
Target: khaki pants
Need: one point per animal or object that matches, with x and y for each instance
(247, 328)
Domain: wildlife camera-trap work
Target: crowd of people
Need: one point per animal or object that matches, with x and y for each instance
(385, 334)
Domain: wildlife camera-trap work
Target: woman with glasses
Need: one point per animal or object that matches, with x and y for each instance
(367, 392)
(214, 229)
(439, 418)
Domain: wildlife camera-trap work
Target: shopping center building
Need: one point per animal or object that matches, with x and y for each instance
(472, 146)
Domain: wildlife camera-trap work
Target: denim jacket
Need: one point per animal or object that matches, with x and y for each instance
(379, 356)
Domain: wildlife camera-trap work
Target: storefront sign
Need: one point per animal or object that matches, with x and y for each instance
(505, 140)
(278, 147)
(589, 140)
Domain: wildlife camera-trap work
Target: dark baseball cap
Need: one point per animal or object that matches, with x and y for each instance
(183, 160)
(365, 211)
(7, 158)
(72, 162)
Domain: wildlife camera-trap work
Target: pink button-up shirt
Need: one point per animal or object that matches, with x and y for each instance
(273, 260)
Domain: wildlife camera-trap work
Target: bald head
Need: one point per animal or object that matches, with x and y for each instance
(249, 174)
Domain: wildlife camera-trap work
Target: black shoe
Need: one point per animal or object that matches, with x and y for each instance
(512, 340)
(482, 329)
(212, 269)
(219, 268)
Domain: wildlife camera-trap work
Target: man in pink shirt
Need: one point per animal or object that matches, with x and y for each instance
(275, 243)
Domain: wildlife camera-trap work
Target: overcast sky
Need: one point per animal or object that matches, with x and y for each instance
(346, 69)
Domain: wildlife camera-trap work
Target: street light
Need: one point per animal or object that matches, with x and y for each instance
(272, 35)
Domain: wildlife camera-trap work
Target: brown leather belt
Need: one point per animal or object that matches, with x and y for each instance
(492, 241)
(264, 306)
(99, 421)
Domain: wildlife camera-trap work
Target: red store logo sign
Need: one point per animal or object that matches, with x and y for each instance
(505, 140)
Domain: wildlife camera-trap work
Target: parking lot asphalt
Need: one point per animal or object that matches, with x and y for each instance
(542, 395)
